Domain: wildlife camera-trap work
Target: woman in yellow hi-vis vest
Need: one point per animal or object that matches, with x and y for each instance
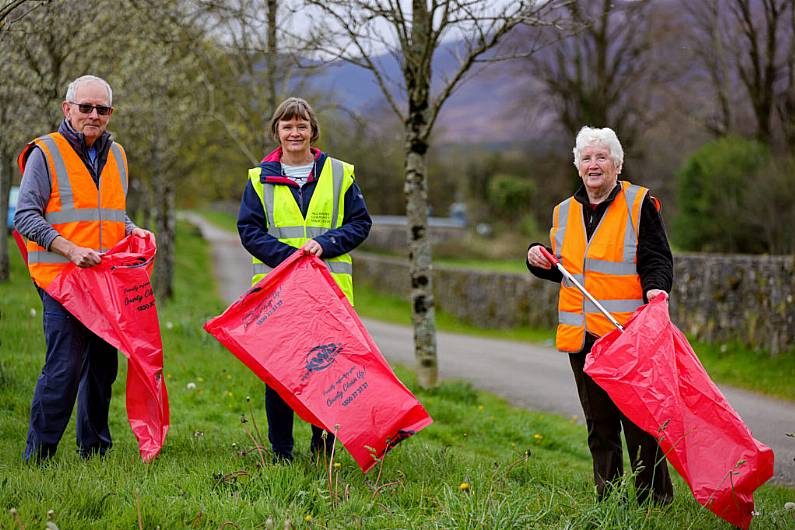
(299, 197)
(611, 237)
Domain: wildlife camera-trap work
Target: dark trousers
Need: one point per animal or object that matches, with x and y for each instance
(280, 428)
(604, 422)
(78, 364)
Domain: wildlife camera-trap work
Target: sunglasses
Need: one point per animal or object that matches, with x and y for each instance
(86, 108)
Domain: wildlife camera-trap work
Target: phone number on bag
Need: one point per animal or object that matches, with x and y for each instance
(354, 394)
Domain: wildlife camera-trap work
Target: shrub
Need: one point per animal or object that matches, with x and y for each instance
(769, 206)
(510, 197)
(712, 189)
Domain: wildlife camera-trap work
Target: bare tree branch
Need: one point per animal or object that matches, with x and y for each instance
(358, 32)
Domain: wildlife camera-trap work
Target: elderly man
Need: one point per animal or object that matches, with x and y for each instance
(611, 235)
(71, 208)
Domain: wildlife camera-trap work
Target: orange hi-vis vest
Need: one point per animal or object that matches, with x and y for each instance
(606, 265)
(87, 214)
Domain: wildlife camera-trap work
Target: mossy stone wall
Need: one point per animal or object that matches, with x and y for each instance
(716, 298)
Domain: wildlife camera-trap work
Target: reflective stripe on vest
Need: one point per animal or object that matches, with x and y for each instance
(605, 265)
(42, 256)
(86, 213)
(335, 267)
(287, 224)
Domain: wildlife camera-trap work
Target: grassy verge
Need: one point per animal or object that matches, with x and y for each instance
(516, 264)
(738, 365)
(482, 464)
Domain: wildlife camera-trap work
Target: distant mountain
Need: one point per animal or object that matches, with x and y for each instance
(490, 106)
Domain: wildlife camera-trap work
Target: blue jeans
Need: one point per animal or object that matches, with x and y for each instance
(77, 364)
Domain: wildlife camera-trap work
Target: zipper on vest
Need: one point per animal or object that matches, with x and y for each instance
(305, 208)
(99, 208)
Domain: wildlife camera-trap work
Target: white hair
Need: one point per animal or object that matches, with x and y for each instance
(74, 85)
(606, 138)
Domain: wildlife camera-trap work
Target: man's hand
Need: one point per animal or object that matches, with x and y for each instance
(312, 247)
(654, 293)
(140, 232)
(80, 256)
(537, 259)
(84, 257)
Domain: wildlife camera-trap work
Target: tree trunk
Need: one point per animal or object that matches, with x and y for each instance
(5, 185)
(423, 315)
(272, 58)
(417, 74)
(165, 224)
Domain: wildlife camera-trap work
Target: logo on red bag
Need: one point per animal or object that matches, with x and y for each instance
(321, 357)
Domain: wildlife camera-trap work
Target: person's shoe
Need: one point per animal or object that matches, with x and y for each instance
(662, 500)
(657, 499)
(282, 458)
(40, 455)
(90, 452)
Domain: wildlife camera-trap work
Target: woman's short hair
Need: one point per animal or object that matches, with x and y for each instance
(74, 85)
(605, 137)
(294, 108)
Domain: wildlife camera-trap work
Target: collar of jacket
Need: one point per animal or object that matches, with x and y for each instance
(78, 141)
(581, 195)
(272, 167)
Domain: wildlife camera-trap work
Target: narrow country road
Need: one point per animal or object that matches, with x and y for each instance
(533, 377)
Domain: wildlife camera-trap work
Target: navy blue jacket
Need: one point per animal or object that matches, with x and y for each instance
(253, 226)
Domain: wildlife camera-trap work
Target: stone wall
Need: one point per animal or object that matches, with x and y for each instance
(388, 232)
(724, 297)
(715, 297)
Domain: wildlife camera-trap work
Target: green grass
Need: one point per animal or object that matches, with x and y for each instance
(208, 474)
(738, 365)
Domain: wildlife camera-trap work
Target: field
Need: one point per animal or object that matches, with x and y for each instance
(482, 464)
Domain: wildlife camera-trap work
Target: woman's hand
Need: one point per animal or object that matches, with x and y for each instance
(312, 247)
(537, 259)
(654, 293)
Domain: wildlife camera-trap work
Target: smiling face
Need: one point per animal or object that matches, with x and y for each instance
(598, 170)
(92, 125)
(295, 136)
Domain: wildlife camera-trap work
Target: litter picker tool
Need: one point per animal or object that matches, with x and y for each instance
(570, 277)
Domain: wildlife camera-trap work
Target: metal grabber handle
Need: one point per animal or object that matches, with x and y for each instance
(566, 274)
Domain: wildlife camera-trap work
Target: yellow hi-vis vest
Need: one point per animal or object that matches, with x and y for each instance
(606, 265)
(86, 213)
(326, 212)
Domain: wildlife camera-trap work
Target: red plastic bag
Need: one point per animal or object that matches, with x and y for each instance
(654, 377)
(115, 301)
(23, 249)
(297, 332)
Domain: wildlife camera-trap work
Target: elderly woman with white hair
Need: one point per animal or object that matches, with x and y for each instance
(610, 235)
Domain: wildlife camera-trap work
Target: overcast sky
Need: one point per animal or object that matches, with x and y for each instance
(301, 22)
